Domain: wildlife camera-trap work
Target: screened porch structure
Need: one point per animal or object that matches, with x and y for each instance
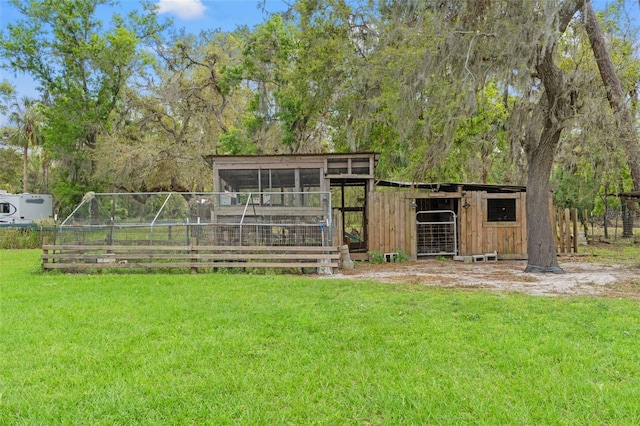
(271, 180)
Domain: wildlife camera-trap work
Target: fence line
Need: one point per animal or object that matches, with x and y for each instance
(565, 230)
(193, 257)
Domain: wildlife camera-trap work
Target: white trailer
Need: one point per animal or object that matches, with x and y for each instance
(25, 208)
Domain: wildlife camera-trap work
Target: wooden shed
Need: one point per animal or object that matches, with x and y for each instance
(448, 219)
(421, 220)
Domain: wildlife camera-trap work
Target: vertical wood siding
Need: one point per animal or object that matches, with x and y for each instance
(390, 222)
(392, 225)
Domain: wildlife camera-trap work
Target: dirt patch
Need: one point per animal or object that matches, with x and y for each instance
(580, 277)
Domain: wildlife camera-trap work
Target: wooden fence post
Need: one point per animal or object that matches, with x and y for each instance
(568, 244)
(575, 230)
(194, 251)
(560, 234)
(45, 251)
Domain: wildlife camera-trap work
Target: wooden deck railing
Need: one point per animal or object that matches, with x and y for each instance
(76, 257)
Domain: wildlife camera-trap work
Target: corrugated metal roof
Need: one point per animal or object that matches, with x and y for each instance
(451, 186)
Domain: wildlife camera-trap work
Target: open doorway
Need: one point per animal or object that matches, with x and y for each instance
(437, 226)
(350, 198)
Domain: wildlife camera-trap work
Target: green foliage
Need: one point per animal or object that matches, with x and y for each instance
(27, 115)
(10, 176)
(23, 237)
(432, 89)
(479, 151)
(191, 107)
(67, 195)
(290, 65)
(376, 257)
(573, 190)
(81, 64)
(401, 256)
(234, 143)
(7, 92)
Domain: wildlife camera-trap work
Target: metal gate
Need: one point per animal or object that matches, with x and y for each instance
(437, 232)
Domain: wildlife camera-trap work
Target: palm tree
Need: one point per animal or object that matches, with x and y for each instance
(28, 117)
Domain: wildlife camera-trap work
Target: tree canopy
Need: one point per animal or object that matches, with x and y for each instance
(542, 93)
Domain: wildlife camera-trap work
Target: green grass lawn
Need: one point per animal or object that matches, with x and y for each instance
(273, 349)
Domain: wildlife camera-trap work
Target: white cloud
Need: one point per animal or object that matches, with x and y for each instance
(183, 9)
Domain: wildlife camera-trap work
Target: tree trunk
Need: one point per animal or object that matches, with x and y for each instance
(616, 98)
(94, 210)
(541, 245)
(605, 215)
(627, 220)
(554, 105)
(25, 168)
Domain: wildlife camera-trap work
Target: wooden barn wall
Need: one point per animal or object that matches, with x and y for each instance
(478, 236)
(390, 223)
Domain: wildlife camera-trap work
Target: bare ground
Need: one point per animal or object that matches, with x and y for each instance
(581, 277)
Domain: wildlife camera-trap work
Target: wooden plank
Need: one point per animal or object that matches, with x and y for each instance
(465, 235)
(192, 265)
(268, 162)
(306, 249)
(575, 230)
(382, 228)
(501, 241)
(393, 244)
(492, 196)
(411, 229)
(399, 217)
(554, 225)
(512, 225)
(560, 218)
(464, 227)
(489, 238)
(265, 210)
(567, 230)
(523, 230)
(45, 252)
(193, 242)
(348, 176)
(390, 223)
(517, 232)
(405, 205)
(479, 215)
(338, 236)
(372, 220)
(379, 224)
(187, 256)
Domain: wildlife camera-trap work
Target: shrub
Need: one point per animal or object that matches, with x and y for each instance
(376, 256)
(401, 256)
(23, 238)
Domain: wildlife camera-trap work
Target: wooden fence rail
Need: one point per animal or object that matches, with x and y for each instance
(76, 257)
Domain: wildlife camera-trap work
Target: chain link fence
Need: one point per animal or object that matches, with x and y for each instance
(218, 219)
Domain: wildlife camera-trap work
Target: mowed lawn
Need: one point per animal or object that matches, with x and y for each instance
(271, 349)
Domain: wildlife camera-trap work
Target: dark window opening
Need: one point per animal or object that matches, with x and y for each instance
(4, 208)
(501, 210)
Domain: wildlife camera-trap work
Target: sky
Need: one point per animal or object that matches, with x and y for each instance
(193, 16)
